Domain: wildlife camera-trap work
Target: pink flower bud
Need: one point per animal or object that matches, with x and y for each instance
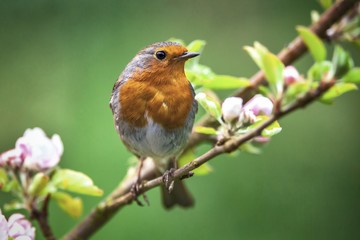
(291, 75)
(231, 109)
(11, 158)
(20, 228)
(259, 105)
(37, 151)
(3, 227)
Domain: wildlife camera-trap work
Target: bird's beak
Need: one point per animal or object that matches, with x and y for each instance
(188, 55)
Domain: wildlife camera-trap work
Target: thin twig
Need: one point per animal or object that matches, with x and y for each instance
(41, 216)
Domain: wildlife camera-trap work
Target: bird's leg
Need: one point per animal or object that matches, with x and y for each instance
(135, 189)
(169, 175)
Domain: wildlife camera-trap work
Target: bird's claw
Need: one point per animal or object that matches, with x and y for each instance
(168, 179)
(135, 192)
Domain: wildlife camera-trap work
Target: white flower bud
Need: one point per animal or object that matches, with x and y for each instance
(231, 109)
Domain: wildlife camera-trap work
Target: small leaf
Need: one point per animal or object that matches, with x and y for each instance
(271, 130)
(226, 82)
(255, 55)
(75, 182)
(187, 157)
(273, 69)
(296, 90)
(7, 184)
(337, 90)
(313, 42)
(353, 76)
(250, 148)
(211, 106)
(264, 90)
(72, 206)
(13, 205)
(38, 183)
(342, 62)
(321, 71)
(205, 130)
(3, 178)
(326, 3)
(195, 46)
(198, 74)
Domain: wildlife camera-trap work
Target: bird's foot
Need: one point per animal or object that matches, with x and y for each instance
(168, 179)
(135, 191)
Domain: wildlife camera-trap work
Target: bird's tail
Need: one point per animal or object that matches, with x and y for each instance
(178, 196)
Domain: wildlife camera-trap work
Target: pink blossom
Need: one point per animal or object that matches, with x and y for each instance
(231, 109)
(291, 75)
(20, 228)
(34, 151)
(11, 157)
(3, 227)
(259, 105)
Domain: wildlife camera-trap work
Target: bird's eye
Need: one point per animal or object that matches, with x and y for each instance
(160, 55)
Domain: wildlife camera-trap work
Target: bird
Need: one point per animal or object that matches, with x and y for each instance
(154, 107)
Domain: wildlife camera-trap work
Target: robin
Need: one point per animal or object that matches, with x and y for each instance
(154, 109)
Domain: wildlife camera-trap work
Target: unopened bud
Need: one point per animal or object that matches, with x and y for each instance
(231, 109)
(259, 105)
(291, 75)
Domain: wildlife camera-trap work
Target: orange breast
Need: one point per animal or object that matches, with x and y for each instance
(168, 102)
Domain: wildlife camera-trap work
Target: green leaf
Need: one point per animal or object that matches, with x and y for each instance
(75, 182)
(250, 148)
(321, 71)
(6, 184)
(326, 3)
(297, 88)
(273, 69)
(13, 205)
(205, 130)
(313, 42)
(72, 206)
(198, 74)
(271, 65)
(38, 183)
(256, 53)
(342, 62)
(3, 178)
(337, 90)
(264, 90)
(226, 82)
(195, 46)
(211, 106)
(187, 157)
(271, 130)
(353, 76)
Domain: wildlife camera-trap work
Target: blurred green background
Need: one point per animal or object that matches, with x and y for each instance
(60, 59)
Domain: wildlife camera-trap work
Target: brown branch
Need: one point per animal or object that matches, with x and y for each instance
(122, 196)
(41, 216)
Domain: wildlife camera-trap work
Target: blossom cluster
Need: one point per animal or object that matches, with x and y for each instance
(34, 151)
(234, 112)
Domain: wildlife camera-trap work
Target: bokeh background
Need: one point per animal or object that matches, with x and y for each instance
(59, 60)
